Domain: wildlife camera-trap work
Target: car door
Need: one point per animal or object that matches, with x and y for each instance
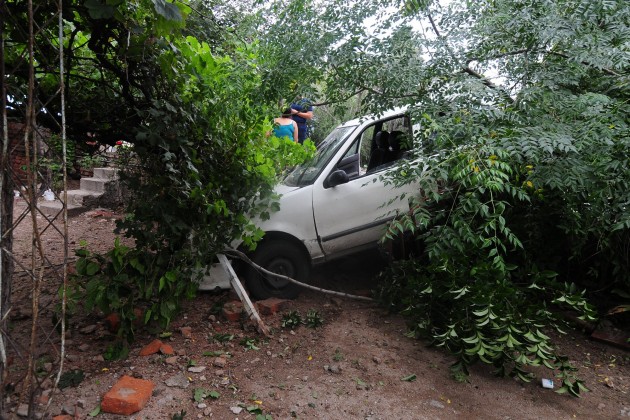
(353, 215)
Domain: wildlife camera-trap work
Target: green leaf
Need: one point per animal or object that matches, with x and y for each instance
(471, 340)
(135, 263)
(409, 378)
(168, 11)
(81, 266)
(199, 394)
(82, 252)
(254, 409)
(481, 312)
(92, 268)
(98, 10)
(95, 412)
(563, 390)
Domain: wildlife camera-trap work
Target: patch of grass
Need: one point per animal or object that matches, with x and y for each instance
(250, 343)
(338, 356)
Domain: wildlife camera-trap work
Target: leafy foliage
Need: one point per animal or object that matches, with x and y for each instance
(200, 394)
(313, 319)
(526, 197)
(196, 111)
(131, 283)
(292, 319)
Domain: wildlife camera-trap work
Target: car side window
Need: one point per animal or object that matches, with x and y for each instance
(378, 147)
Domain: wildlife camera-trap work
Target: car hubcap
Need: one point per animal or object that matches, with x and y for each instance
(281, 266)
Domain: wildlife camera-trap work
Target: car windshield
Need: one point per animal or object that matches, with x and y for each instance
(308, 172)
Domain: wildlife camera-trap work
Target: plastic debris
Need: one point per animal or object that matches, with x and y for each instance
(547, 383)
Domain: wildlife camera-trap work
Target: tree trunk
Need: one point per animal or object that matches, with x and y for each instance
(6, 268)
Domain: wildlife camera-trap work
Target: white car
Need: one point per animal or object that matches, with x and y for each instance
(334, 205)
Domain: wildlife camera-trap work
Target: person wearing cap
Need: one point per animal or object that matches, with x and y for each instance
(301, 112)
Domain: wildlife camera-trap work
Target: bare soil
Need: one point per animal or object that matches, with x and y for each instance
(352, 367)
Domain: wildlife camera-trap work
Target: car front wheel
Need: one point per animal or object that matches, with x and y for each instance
(279, 257)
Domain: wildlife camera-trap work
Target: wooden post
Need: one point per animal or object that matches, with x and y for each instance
(242, 294)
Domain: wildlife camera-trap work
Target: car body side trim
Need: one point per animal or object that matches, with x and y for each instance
(357, 229)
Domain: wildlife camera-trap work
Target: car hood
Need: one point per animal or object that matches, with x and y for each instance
(284, 189)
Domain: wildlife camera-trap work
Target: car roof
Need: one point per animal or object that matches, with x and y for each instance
(374, 117)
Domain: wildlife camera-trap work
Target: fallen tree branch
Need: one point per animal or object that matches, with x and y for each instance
(243, 257)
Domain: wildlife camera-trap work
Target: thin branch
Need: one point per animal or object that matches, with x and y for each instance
(543, 51)
(586, 63)
(466, 68)
(481, 77)
(507, 54)
(434, 26)
(243, 257)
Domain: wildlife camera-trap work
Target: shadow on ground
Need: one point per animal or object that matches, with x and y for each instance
(352, 274)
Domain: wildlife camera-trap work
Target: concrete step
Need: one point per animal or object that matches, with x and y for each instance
(96, 185)
(54, 208)
(97, 182)
(77, 197)
(106, 173)
(91, 189)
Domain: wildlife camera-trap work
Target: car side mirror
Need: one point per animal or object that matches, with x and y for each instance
(337, 177)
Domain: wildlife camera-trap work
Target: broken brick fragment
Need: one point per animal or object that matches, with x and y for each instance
(271, 306)
(167, 349)
(232, 310)
(151, 348)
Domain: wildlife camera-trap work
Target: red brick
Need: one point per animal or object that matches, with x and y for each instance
(186, 332)
(151, 348)
(271, 306)
(129, 395)
(112, 322)
(167, 349)
(63, 417)
(100, 213)
(232, 310)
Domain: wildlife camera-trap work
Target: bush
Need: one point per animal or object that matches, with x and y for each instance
(514, 233)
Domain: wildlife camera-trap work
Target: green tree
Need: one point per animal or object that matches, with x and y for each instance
(186, 88)
(535, 185)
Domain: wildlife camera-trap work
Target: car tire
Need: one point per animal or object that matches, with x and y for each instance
(281, 257)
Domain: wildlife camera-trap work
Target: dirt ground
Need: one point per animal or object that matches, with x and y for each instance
(352, 367)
